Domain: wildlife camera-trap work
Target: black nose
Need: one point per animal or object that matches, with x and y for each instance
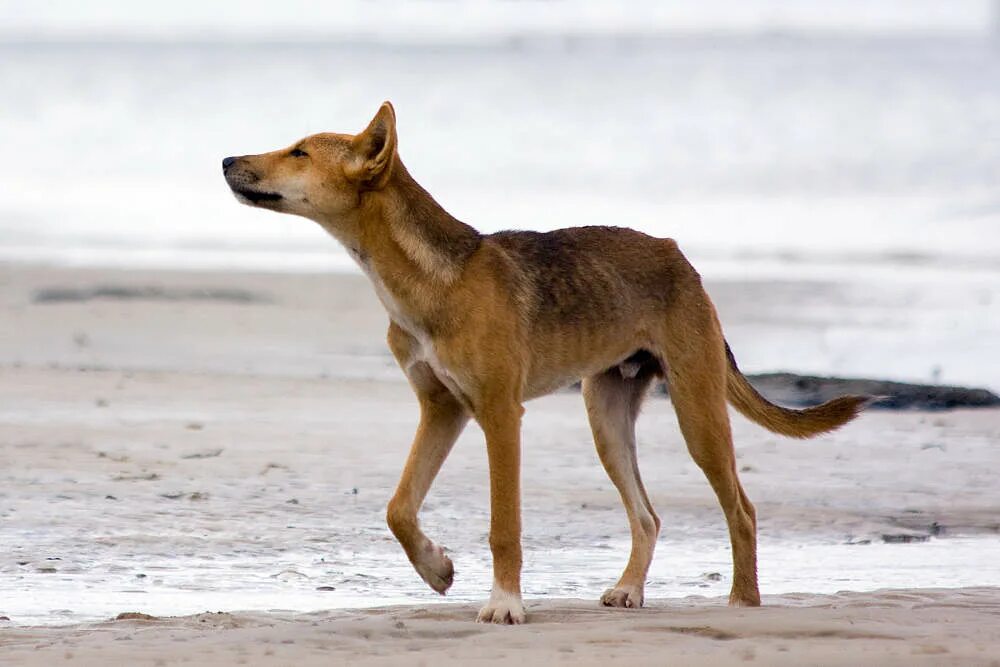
(227, 162)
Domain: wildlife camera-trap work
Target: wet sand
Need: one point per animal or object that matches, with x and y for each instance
(230, 441)
(920, 627)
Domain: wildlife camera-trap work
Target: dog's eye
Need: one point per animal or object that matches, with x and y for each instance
(298, 152)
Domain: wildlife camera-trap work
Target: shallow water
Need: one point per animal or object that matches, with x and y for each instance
(88, 588)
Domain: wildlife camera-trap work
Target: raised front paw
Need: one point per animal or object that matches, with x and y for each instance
(503, 609)
(623, 596)
(434, 567)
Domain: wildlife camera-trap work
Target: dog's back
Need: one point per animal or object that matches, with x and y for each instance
(591, 275)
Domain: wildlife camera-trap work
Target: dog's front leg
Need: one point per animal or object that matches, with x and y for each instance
(501, 422)
(442, 419)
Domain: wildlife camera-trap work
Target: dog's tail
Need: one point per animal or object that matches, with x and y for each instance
(794, 423)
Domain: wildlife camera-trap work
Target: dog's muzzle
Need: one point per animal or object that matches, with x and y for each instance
(240, 181)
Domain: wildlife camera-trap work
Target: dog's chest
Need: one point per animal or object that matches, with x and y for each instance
(392, 306)
(423, 347)
(423, 351)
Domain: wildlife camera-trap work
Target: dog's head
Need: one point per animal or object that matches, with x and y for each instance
(320, 177)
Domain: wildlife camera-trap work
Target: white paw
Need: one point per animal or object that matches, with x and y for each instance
(629, 597)
(434, 567)
(503, 609)
(752, 600)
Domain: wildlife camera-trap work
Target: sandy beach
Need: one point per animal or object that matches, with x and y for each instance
(929, 627)
(201, 423)
(179, 444)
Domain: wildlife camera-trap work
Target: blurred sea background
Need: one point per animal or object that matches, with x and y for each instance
(845, 152)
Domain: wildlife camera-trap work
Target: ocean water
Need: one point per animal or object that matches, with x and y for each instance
(867, 159)
(873, 145)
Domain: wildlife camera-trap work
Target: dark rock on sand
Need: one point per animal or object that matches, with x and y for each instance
(803, 391)
(145, 293)
(904, 538)
(135, 616)
(806, 390)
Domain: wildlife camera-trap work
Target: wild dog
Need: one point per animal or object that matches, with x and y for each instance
(482, 323)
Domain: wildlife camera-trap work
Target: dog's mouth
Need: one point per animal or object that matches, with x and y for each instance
(256, 196)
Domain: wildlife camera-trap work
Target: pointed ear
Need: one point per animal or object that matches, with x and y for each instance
(375, 149)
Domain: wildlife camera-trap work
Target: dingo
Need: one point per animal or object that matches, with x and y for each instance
(481, 323)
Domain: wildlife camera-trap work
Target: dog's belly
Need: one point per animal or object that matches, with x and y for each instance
(628, 364)
(538, 387)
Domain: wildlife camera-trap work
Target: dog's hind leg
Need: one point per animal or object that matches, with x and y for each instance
(442, 419)
(613, 402)
(694, 352)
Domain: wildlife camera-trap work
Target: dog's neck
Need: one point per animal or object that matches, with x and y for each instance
(409, 245)
(430, 237)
